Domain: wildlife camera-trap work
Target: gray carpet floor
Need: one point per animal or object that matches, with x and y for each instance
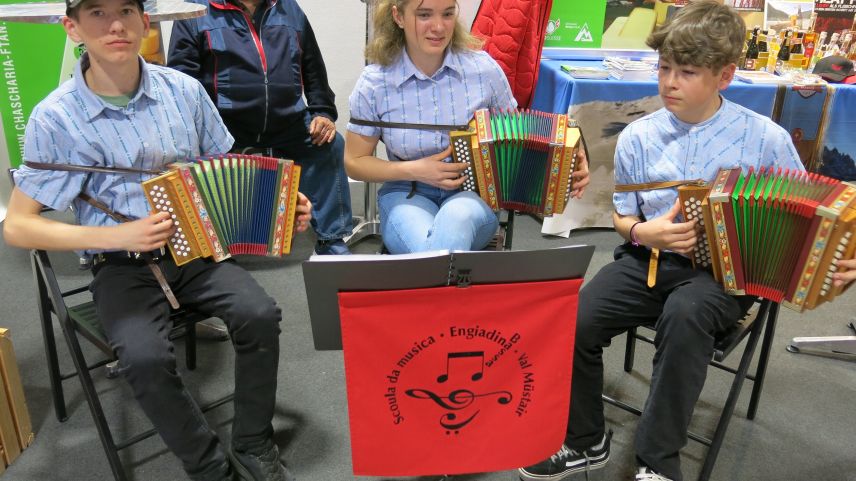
(805, 428)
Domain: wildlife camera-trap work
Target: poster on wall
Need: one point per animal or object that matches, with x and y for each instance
(834, 15)
(31, 57)
(783, 14)
(575, 25)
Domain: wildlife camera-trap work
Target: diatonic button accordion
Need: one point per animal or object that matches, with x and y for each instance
(773, 234)
(226, 205)
(520, 160)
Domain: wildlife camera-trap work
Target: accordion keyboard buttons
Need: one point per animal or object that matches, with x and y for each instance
(163, 203)
(692, 210)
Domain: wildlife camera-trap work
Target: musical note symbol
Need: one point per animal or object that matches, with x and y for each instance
(463, 355)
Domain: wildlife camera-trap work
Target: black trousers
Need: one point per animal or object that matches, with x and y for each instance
(687, 307)
(135, 315)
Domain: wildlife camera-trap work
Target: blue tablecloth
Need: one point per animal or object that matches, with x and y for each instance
(820, 120)
(557, 90)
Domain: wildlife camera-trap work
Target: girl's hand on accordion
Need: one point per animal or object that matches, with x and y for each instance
(303, 214)
(434, 170)
(666, 234)
(580, 175)
(144, 234)
(849, 274)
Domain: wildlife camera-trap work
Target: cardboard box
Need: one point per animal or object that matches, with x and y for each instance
(13, 392)
(8, 436)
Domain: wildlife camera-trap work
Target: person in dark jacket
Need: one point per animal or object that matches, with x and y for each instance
(257, 59)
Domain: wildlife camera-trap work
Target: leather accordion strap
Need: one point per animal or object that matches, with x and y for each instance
(85, 168)
(147, 257)
(407, 126)
(656, 185)
(652, 267)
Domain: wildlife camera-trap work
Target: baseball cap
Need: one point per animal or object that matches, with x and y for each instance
(69, 4)
(835, 68)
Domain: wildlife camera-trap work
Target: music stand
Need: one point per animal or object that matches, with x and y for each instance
(326, 276)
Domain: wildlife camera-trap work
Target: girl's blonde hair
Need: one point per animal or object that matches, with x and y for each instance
(389, 41)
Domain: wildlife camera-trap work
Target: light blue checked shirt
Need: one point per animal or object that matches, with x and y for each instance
(170, 118)
(467, 81)
(660, 147)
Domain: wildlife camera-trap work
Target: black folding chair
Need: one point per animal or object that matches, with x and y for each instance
(81, 320)
(762, 317)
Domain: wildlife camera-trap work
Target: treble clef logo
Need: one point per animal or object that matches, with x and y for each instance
(459, 399)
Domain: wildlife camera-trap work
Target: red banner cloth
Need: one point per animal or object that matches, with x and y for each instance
(456, 380)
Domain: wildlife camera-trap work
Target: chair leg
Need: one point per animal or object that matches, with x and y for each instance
(630, 350)
(731, 402)
(509, 230)
(50, 345)
(761, 370)
(94, 404)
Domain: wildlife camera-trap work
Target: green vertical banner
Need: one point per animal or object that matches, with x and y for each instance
(575, 24)
(31, 59)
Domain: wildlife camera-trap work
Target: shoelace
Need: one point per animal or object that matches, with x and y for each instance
(565, 452)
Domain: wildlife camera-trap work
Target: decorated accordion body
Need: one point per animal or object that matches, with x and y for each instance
(233, 204)
(519, 160)
(775, 235)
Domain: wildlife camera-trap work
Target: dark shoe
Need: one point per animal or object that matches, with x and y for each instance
(332, 247)
(264, 466)
(568, 461)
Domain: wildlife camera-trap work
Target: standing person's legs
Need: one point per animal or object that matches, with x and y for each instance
(324, 181)
(464, 222)
(135, 315)
(406, 223)
(695, 309)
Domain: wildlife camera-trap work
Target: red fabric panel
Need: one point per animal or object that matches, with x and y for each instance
(450, 380)
(514, 33)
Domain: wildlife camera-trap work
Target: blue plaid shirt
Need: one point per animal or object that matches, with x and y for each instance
(467, 81)
(170, 118)
(660, 147)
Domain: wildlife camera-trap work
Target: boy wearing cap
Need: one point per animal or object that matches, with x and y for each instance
(693, 136)
(117, 111)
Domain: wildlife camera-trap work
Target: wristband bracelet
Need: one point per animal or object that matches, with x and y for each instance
(633, 239)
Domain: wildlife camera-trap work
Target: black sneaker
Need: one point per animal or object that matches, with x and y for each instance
(568, 461)
(264, 466)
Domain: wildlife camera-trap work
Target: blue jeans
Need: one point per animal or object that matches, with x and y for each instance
(323, 180)
(433, 219)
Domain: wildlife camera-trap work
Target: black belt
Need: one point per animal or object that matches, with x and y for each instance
(126, 257)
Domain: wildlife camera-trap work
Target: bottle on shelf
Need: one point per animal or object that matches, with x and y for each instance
(796, 51)
(752, 51)
(844, 49)
(784, 56)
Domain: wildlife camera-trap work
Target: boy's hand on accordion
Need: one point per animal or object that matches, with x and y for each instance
(580, 175)
(434, 170)
(666, 234)
(849, 274)
(146, 234)
(303, 214)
